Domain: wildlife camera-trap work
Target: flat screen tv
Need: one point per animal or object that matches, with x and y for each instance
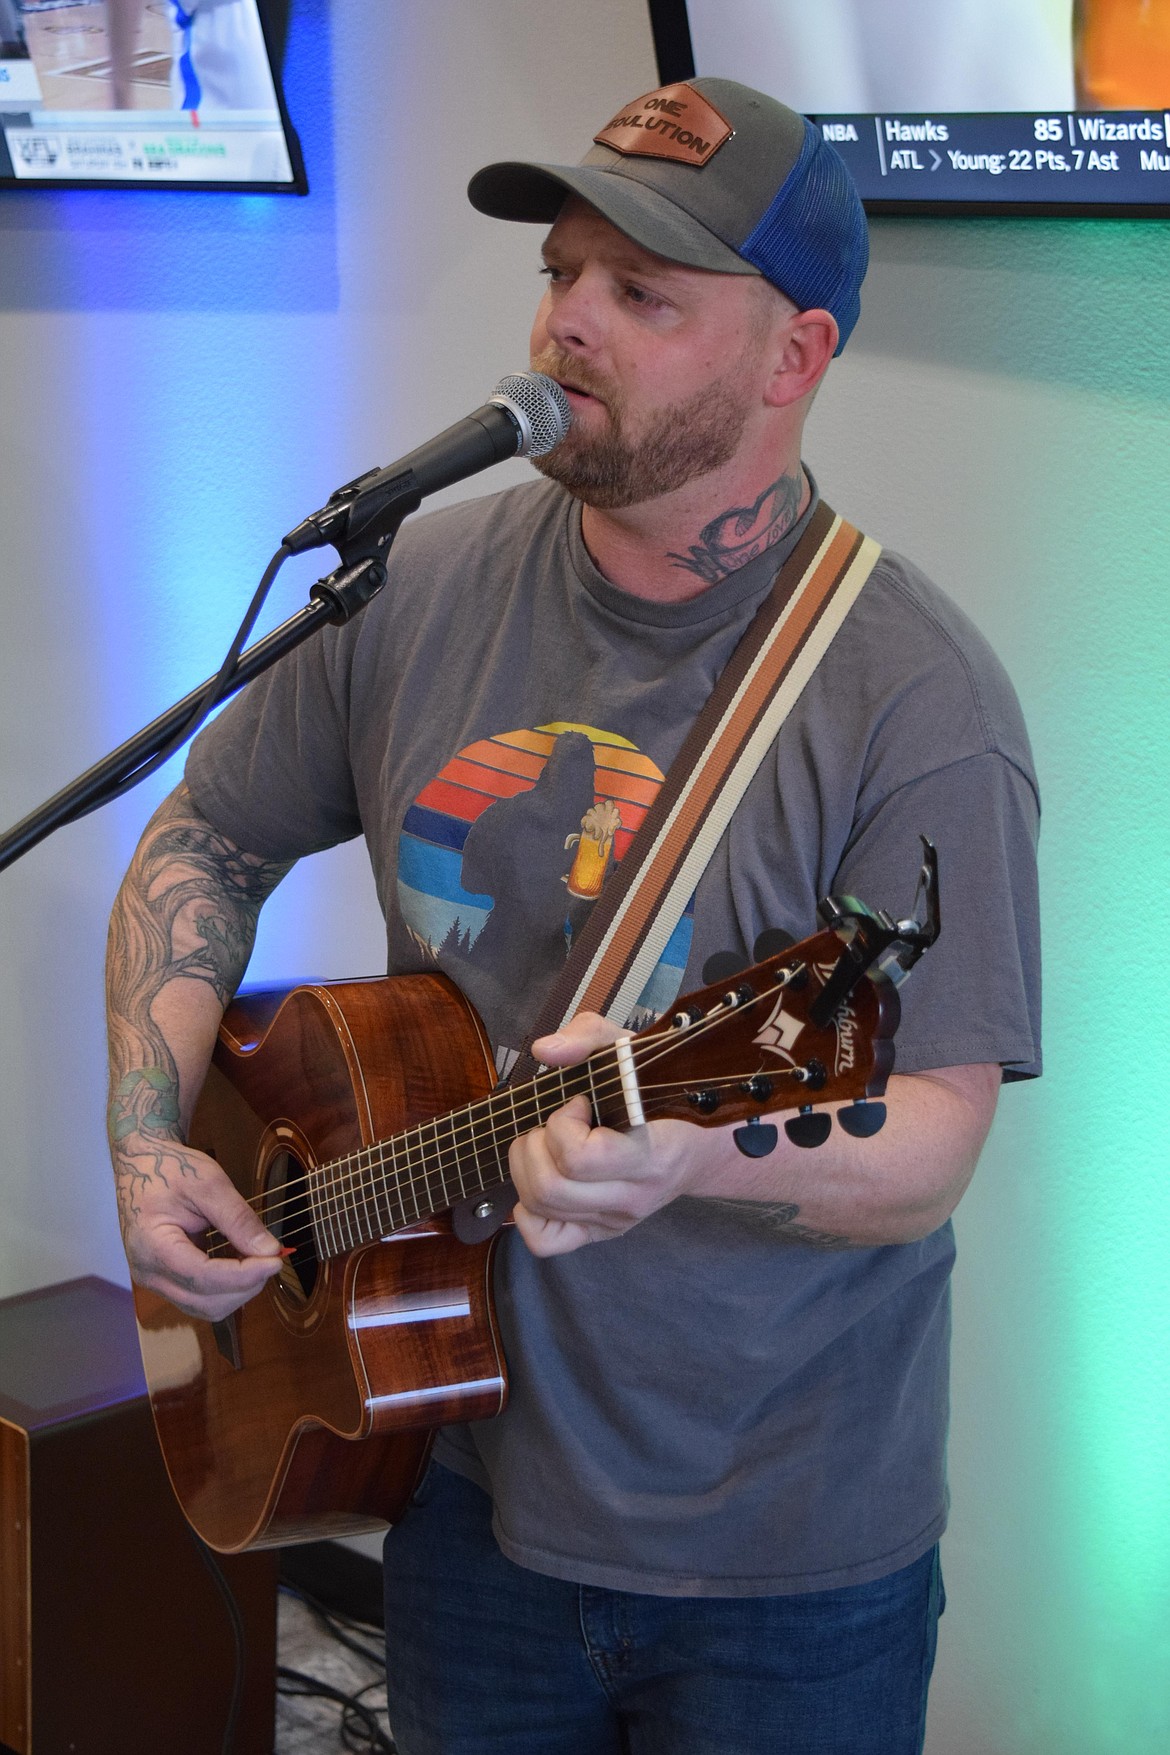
(957, 106)
(122, 93)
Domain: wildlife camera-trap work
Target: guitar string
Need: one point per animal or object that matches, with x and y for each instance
(361, 1161)
(299, 1186)
(372, 1203)
(306, 1228)
(360, 1171)
(296, 1205)
(362, 1164)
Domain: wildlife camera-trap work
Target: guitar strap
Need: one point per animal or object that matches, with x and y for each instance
(638, 910)
(630, 924)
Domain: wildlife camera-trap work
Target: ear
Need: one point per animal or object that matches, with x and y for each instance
(807, 344)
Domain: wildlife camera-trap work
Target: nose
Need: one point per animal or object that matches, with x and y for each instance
(575, 317)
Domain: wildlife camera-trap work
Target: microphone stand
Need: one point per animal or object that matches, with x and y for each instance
(337, 598)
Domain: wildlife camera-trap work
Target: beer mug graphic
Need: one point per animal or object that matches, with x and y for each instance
(1122, 54)
(594, 846)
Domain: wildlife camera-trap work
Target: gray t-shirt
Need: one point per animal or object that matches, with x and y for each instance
(697, 1407)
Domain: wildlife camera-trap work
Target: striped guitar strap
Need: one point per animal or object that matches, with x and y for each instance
(609, 965)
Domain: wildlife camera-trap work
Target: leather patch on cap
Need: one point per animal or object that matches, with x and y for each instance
(675, 122)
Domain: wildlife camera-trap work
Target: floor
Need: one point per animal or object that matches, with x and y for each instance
(306, 1726)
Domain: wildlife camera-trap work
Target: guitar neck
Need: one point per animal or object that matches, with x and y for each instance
(413, 1175)
(728, 1054)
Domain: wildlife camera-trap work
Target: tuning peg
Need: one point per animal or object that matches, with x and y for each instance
(722, 966)
(756, 1139)
(772, 942)
(862, 1119)
(809, 1128)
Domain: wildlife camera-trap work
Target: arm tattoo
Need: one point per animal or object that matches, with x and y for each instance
(743, 532)
(186, 911)
(780, 1218)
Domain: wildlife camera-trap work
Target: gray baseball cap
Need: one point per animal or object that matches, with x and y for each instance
(714, 175)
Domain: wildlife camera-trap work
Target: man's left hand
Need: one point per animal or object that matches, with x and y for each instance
(583, 1184)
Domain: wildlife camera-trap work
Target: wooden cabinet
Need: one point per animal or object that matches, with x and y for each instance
(115, 1635)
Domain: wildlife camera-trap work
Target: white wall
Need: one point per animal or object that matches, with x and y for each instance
(999, 415)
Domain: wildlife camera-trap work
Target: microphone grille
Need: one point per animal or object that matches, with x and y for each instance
(543, 408)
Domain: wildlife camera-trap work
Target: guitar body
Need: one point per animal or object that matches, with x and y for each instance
(355, 1118)
(310, 1412)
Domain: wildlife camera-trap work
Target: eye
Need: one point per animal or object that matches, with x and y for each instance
(643, 298)
(552, 274)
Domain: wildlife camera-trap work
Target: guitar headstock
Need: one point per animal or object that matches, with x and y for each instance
(749, 1045)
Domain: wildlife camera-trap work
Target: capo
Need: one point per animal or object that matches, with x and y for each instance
(875, 941)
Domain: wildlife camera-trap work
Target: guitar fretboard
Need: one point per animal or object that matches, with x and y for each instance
(427, 1169)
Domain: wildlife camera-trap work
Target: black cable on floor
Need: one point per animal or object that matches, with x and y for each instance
(341, 1626)
(357, 1721)
(359, 1729)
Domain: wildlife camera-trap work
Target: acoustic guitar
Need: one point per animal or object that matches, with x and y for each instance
(355, 1117)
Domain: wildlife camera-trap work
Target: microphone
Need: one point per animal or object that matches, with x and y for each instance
(526, 415)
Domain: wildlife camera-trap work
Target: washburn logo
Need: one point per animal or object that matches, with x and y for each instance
(844, 1023)
(779, 1033)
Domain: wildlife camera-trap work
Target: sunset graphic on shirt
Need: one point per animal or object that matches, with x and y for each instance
(587, 800)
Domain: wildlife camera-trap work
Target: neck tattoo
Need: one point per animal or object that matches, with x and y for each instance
(742, 532)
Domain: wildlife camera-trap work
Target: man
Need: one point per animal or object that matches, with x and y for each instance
(708, 1519)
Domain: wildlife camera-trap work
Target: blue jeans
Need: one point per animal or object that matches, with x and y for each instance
(486, 1656)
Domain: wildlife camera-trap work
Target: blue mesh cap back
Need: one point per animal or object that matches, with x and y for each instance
(813, 241)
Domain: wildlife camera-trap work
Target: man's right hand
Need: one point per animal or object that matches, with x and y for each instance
(170, 1196)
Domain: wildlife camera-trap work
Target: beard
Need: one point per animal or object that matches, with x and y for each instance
(623, 466)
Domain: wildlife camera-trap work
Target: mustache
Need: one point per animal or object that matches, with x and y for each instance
(577, 376)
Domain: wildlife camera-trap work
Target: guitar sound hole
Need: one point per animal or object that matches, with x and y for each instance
(287, 1215)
